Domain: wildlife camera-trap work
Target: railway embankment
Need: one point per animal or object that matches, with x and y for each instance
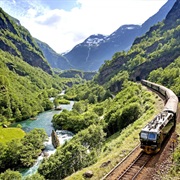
(163, 165)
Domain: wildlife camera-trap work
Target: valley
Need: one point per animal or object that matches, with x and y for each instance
(108, 106)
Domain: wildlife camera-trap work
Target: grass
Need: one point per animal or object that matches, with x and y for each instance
(174, 172)
(119, 145)
(8, 134)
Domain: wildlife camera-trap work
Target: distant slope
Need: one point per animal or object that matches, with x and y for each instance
(24, 89)
(159, 47)
(55, 60)
(88, 57)
(77, 73)
(17, 40)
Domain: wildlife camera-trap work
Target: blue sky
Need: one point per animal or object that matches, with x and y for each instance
(60, 4)
(64, 23)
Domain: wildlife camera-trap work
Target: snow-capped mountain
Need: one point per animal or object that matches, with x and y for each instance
(92, 53)
(95, 40)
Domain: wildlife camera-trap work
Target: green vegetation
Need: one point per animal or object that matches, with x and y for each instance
(168, 76)
(60, 100)
(22, 152)
(15, 175)
(25, 90)
(74, 155)
(128, 105)
(174, 172)
(81, 116)
(95, 125)
(117, 146)
(9, 134)
(89, 91)
(73, 73)
(10, 175)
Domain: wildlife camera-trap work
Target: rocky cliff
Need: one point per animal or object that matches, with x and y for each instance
(16, 40)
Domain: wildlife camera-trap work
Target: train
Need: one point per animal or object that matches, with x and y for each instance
(154, 133)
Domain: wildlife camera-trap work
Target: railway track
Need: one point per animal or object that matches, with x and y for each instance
(132, 170)
(135, 168)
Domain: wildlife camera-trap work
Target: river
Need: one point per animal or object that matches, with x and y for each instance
(43, 120)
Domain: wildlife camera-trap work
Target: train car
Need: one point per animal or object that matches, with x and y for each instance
(154, 133)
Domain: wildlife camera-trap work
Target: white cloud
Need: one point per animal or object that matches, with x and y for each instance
(31, 13)
(14, 2)
(62, 30)
(51, 18)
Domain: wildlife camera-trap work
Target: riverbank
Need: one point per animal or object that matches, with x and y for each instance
(43, 120)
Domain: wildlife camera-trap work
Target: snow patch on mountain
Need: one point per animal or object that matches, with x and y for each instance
(95, 40)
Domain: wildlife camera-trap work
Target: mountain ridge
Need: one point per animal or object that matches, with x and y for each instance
(90, 58)
(119, 40)
(17, 40)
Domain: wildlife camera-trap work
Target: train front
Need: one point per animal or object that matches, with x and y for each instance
(149, 141)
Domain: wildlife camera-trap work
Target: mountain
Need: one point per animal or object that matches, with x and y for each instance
(55, 60)
(90, 57)
(158, 17)
(26, 79)
(90, 54)
(158, 48)
(17, 40)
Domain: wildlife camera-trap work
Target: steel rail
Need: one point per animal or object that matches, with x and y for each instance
(112, 170)
(135, 163)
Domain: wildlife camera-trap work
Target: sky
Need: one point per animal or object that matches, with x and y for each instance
(62, 24)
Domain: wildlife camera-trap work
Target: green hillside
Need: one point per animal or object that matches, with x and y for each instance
(24, 89)
(26, 79)
(17, 40)
(158, 48)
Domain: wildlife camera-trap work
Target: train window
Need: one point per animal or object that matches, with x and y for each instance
(144, 135)
(152, 136)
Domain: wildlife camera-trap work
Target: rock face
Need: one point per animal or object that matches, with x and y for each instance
(171, 21)
(17, 40)
(55, 140)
